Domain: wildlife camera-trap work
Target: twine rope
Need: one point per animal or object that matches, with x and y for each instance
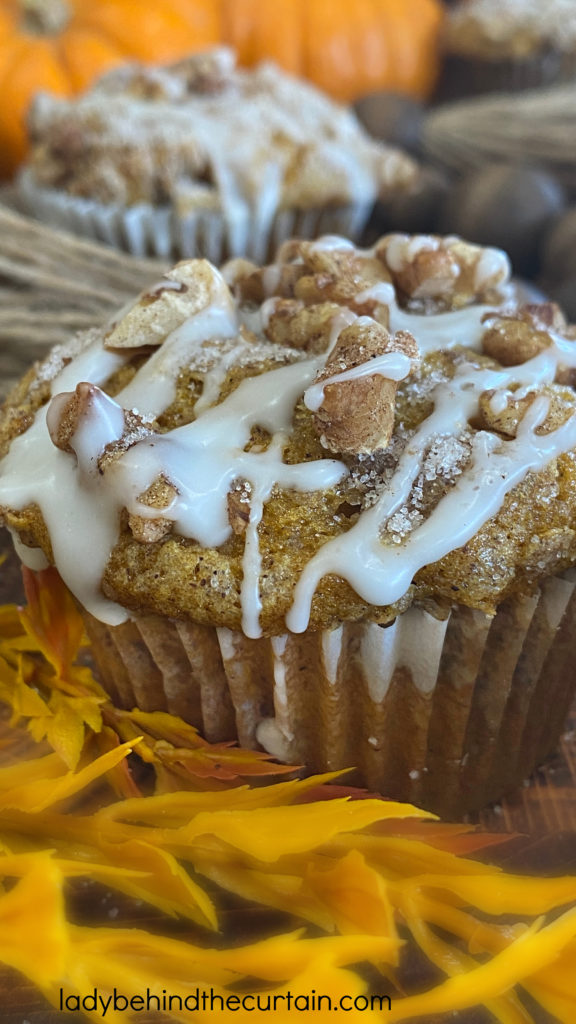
(53, 285)
(537, 127)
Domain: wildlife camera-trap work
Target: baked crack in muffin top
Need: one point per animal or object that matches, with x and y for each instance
(332, 437)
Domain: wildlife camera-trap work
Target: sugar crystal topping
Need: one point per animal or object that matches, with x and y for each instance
(422, 496)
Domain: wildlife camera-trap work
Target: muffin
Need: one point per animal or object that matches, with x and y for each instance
(508, 45)
(325, 507)
(204, 159)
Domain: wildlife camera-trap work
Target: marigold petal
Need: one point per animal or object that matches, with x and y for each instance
(39, 793)
(501, 893)
(524, 957)
(270, 833)
(33, 931)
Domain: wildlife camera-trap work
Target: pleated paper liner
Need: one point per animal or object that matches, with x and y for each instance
(465, 76)
(146, 230)
(448, 715)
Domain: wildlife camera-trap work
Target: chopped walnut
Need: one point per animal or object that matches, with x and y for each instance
(304, 327)
(238, 501)
(357, 416)
(546, 314)
(136, 428)
(188, 288)
(340, 275)
(503, 412)
(290, 251)
(160, 495)
(448, 271)
(207, 72)
(148, 531)
(258, 285)
(515, 338)
(64, 413)
(68, 410)
(144, 83)
(236, 270)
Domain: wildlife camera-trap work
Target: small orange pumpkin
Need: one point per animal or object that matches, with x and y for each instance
(345, 48)
(61, 45)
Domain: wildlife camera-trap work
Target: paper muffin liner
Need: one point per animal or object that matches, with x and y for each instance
(444, 714)
(468, 76)
(146, 230)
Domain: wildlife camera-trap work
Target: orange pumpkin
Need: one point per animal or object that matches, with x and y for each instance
(346, 48)
(61, 45)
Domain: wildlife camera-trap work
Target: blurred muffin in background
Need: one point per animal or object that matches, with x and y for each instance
(508, 45)
(203, 158)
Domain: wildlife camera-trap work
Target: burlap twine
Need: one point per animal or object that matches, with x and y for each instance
(52, 285)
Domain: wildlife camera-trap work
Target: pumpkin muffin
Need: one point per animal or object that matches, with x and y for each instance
(201, 158)
(325, 506)
(508, 45)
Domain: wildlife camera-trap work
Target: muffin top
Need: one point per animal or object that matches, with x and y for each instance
(332, 437)
(204, 135)
(511, 28)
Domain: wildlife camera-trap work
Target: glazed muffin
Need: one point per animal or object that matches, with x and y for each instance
(507, 45)
(204, 159)
(323, 506)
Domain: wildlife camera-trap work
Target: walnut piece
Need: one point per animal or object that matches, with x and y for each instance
(160, 495)
(304, 327)
(187, 289)
(69, 409)
(63, 415)
(237, 269)
(208, 72)
(447, 270)
(505, 418)
(260, 284)
(357, 416)
(238, 501)
(517, 337)
(340, 275)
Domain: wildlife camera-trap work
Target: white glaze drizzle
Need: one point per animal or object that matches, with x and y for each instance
(381, 575)
(330, 243)
(443, 330)
(205, 457)
(252, 558)
(392, 365)
(32, 558)
(154, 386)
(215, 377)
(68, 495)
